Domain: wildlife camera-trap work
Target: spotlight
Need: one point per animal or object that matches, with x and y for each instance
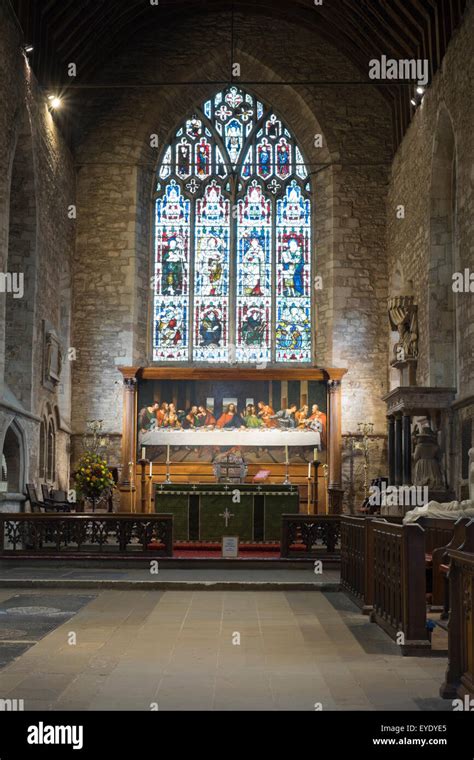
(413, 102)
(54, 101)
(28, 48)
(420, 90)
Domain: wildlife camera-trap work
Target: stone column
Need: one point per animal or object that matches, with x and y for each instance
(398, 450)
(391, 449)
(128, 429)
(335, 490)
(406, 449)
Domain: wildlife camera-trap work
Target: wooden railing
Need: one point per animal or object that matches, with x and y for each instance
(308, 536)
(383, 570)
(73, 535)
(357, 560)
(399, 584)
(459, 682)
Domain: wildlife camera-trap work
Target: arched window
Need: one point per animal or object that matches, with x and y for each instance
(232, 269)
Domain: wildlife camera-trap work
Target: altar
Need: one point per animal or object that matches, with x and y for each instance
(179, 422)
(209, 512)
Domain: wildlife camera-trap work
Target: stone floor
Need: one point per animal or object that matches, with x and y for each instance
(214, 650)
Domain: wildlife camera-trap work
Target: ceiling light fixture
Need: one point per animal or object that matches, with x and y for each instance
(28, 48)
(54, 101)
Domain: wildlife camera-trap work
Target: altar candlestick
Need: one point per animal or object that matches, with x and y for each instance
(168, 476)
(143, 452)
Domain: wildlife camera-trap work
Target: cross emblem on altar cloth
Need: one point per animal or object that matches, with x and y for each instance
(226, 515)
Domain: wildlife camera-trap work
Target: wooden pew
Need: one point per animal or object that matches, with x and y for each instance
(356, 546)
(357, 560)
(399, 585)
(459, 681)
(384, 570)
(440, 558)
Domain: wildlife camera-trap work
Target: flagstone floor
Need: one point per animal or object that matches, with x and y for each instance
(205, 650)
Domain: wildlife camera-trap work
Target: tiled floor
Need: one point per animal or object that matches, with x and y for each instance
(221, 650)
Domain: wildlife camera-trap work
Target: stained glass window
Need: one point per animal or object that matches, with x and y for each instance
(232, 266)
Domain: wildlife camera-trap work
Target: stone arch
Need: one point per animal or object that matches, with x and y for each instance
(14, 458)
(20, 296)
(442, 263)
(48, 436)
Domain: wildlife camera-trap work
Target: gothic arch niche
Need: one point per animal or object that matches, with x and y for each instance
(20, 310)
(233, 254)
(13, 460)
(442, 265)
(49, 426)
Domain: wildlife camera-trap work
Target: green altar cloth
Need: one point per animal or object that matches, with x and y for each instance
(208, 512)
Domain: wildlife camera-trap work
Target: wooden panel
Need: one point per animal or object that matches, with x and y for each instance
(459, 680)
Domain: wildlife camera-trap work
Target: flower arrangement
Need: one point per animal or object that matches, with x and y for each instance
(92, 477)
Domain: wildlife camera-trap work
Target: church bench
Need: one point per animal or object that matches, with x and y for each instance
(399, 584)
(440, 563)
(384, 569)
(356, 559)
(459, 680)
(356, 546)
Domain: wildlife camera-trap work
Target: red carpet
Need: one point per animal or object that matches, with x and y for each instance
(216, 554)
(213, 550)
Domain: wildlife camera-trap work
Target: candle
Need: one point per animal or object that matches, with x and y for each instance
(143, 452)
(168, 453)
(315, 455)
(309, 470)
(151, 468)
(286, 454)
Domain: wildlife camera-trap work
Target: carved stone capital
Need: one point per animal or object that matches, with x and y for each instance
(130, 383)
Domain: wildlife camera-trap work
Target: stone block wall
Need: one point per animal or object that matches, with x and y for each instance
(433, 178)
(115, 169)
(37, 185)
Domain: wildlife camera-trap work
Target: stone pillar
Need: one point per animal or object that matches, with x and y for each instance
(398, 450)
(406, 449)
(335, 490)
(127, 485)
(391, 449)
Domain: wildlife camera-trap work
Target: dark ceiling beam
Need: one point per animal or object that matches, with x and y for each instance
(84, 31)
(392, 29)
(411, 30)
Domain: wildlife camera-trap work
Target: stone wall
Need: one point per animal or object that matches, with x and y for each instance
(115, 169)
(37, 184)
(433, 178)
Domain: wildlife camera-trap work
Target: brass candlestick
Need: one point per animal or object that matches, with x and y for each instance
(365, 429)
(132, 486)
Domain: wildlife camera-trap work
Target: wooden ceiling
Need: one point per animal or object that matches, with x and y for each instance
(90, 31)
